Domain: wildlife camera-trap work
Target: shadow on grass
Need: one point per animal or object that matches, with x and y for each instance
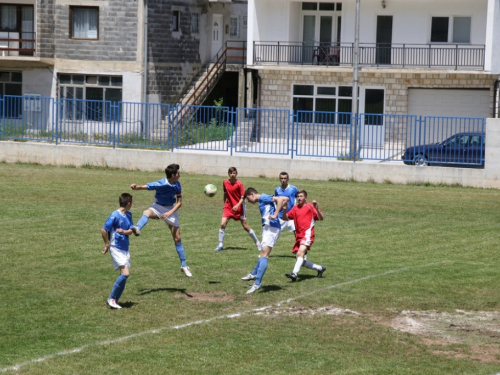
(164, 290)
(128, 304)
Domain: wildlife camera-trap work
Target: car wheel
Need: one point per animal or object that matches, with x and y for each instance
(420, 161)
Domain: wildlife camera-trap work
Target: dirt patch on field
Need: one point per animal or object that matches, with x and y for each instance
(207, 297)
(325, 310)
(478, 330)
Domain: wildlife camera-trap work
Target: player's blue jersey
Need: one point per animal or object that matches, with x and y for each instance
(166, 194)
(267, 207)
(119, 220)
(291, 192)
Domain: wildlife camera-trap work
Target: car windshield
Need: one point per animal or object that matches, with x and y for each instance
(457, 140)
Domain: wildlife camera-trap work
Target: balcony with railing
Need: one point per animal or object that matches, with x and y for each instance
(433, 56)
(13, 43)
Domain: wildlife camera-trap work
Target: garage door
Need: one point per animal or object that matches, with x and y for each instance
(462, 103)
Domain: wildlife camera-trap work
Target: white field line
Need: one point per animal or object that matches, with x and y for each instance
(202, 321)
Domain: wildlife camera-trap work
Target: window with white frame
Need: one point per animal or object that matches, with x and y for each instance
(84, 22)
(319, 98)
(195, 22)
(234, 26)
(451, 30)
(86, 95)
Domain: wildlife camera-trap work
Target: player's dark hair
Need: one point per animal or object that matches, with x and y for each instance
(171, 170)
(231, 170)
(250, 191)
(303, 192)
(284, 174)
(124, 199)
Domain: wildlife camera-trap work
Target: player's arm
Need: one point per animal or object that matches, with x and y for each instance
(105, 237)
(281, 202)
(139, 187)
(318, 211)
(177, 205)
(126, 232)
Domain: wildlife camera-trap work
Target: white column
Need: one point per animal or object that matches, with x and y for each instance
(492, 52)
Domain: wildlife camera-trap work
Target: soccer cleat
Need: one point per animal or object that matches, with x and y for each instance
(219, 248)
(136, 231)
(186, 271)
(254, 288)
(320, 273)
(112, 303)
(291, 276)
(249, 277)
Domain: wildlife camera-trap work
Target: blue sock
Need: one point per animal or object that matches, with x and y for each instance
(122, 287)
(256, 269)
(142, 221)
(262, 270)
(118, 287)
(180, 251)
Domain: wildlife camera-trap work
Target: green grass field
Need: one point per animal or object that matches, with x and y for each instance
(412, 284)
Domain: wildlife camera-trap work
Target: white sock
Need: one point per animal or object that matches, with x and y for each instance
(298, 264)
(222, 233)
(254, 237)
(312, 266)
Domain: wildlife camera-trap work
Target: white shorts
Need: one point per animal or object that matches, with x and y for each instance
(119, 257)
(160, 210)
(270, 236)
(287, 224)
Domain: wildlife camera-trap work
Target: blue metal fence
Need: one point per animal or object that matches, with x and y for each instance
(419, 140)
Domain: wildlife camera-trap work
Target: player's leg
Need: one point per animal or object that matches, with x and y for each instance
(299, 250)
(121, 261)
(222, 233)
(124, 275)
(176, 235)
(250, 232)
(313, 266)
(146, 215)
(270, 236)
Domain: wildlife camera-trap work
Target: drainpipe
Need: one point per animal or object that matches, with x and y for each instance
(355, 84)
(495, 96)
(145, 81)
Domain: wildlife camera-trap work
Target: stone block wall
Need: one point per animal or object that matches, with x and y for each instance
(276, 89)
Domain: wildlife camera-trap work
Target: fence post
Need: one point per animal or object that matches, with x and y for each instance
(295, 131)
(2, 127)
(55, 121)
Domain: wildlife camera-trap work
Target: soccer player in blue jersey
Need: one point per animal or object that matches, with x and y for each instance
(115, 232)
(269, 207)
(290, 191)
(168, 200)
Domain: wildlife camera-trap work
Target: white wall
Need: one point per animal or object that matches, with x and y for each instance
(260, 165)
(412, 19)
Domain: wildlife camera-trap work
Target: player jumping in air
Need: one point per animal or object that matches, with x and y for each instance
(168, 200)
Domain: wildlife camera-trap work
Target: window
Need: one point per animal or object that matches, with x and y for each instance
(245, 21)
(234, 27)
(17, 22)
(176, 15)
(87, 96)
(322, 99)
(84, 22)
(322, 6)
(195, 22)
(11, 83)
(460, 29)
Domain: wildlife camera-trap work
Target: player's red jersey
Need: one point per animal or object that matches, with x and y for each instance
(233, 193)
(304, 218)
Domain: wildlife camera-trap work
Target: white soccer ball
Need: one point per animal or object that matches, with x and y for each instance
(210, 190)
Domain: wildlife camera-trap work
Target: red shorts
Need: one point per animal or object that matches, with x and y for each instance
(235, 215)
(302, 241)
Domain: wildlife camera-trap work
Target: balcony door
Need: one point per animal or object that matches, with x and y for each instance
(217, 31)
(320, 28)
(372, 103)
(384, 40)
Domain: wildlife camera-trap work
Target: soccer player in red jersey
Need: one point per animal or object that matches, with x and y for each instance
(304, 215)
(234, 208)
